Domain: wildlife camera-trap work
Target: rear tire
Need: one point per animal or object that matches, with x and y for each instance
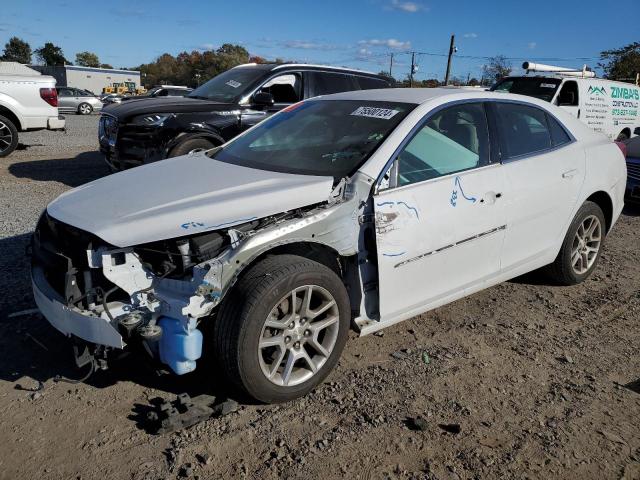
(191, 146)
(581, 247)
(8, 136)
(84, 109)
(266, 341)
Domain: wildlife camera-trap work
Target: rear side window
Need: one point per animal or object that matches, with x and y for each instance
(368, 83)
(523, 129)
(559, 135)
(327, 83)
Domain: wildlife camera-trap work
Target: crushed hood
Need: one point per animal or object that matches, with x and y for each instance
(182, 196)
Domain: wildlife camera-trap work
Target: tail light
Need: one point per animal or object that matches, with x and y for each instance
(622, 147)
(49, 95)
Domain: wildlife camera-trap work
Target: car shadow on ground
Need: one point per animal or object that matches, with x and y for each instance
(73, 172)
(34, 353)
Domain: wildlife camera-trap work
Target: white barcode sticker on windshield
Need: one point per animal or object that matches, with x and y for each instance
(547, 85)
(233, 83)
(374, 112)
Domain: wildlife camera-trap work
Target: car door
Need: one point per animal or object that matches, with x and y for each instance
(569, 98)
(286, 89)
(544, 169)
(440, 223)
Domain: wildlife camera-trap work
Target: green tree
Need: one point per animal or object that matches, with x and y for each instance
(17, 50)
(87, 59)
(106, 65)
(497, 67)
(621, 63)
(50, 54)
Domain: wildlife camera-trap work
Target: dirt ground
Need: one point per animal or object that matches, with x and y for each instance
(524, 380)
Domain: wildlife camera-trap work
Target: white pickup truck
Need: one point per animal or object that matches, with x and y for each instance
(28, 101)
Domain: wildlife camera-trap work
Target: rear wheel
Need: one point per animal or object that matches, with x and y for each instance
(581, 248)
(193, 145)
(282, 328)
(8, 136)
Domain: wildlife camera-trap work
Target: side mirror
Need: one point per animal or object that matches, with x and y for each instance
(636, 131)
(263, 99)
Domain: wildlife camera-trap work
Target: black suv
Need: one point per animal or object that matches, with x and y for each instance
(145, 130)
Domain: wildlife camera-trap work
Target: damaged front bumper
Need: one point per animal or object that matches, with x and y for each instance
(70, 320)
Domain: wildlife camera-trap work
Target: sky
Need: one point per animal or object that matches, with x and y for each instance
(353, 33)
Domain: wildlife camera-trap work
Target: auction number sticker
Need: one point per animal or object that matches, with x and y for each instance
(374, 112)
(547, 85)
(233, 83)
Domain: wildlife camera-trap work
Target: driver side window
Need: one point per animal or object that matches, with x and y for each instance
(452, 140)
(285, 88)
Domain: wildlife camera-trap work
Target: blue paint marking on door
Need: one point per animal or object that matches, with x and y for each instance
(457, 185)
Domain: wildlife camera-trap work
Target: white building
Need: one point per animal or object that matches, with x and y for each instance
(89, 78)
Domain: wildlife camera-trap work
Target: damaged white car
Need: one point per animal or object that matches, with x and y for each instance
(356, 210)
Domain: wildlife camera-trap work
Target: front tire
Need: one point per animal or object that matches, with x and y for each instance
(84, 109)
(581, 248)
(8, 136)
(193, 145)
(282, 328)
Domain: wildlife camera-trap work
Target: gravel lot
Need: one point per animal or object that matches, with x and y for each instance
(524, 380)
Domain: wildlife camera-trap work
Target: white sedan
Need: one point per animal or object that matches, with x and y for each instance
(358, 209)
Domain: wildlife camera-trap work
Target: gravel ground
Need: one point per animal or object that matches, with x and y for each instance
(523, 380)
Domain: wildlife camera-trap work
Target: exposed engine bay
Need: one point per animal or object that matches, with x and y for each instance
(155, 294)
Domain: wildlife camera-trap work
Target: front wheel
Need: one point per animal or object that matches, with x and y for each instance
(8, 136)
(192, 145)
(85, 109)
(581, 248)
(282, 328)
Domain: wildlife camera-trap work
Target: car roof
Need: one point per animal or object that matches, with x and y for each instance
(405, 95)
(309, 66)
(419, 96)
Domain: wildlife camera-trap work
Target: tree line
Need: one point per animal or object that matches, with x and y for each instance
(196, 67)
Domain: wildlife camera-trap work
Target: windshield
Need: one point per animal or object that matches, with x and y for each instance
(542, 88)
(322, 137)
(229, 86)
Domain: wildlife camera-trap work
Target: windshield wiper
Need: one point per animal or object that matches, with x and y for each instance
(199, 97)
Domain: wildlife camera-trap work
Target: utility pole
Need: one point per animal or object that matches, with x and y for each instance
(452, 49)
(391, 66)
(413, 68)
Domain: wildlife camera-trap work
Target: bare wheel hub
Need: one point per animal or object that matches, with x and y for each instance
(298, 336)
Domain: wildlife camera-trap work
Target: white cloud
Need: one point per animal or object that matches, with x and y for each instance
(409, 7)
(390, 43)
(206, 46)
(532, 45)
(307, 45)
(470, 35)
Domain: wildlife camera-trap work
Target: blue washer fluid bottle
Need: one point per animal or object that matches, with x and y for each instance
(180, 344)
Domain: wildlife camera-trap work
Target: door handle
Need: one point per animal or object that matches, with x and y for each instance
(569, 173)
(490, 197)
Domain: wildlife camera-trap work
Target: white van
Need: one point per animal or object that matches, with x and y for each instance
(604, 105)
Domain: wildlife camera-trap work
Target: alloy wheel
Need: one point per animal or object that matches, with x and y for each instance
(586, 244)
(298, 336)
(85, 109)
(6, 137)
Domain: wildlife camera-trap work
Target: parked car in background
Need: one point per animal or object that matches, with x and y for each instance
(633, 168)
(28, 101)
(76, 100)
(603, 105)
(360, 209)
(141, 131)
